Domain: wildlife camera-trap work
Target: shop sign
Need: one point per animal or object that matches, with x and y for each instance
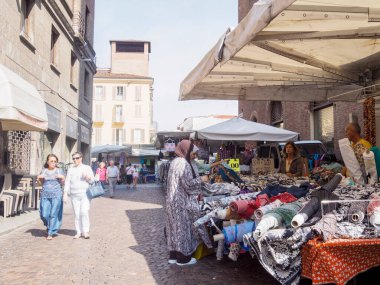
(234, 164)
(54, 118)
(84, 134)
(71, 128)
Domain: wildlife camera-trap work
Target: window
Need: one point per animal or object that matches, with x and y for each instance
(130, 47)
(54, 46)
(119, 136)
(86, 88)
(138, 136)
(324, 126)
(26, 18)
(98, 113)
(276, 114)
(118, 114)
(138, 111)
(99, 93)
(138, 93)
(120, 92)
(73, 70)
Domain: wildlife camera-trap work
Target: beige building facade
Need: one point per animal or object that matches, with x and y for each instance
(49, 44)
(123, 97)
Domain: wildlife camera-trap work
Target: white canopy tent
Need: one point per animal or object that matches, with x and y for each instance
(238, 129)
(21, 106)
(294, 50)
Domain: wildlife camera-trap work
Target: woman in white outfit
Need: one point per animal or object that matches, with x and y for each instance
(78, 180)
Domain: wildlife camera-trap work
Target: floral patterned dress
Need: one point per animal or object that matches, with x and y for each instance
(183, 209)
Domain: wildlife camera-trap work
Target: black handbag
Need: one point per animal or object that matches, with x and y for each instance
(95, 190)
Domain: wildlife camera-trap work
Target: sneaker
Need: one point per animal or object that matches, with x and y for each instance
(77, 236)
(172, 261)
(86, 236)
(49, 238)
(191, 262)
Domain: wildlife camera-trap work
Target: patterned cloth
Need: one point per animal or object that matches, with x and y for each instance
(279, 252)
(338, 261)
(182, 209)
(219, 189)
(369, 117)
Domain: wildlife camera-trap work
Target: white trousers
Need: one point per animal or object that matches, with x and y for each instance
(81, 206)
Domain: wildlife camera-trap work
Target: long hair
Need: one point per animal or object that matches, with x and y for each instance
(296, 150)
(46, 165)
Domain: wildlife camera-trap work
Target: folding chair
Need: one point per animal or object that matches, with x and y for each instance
(17, 194)
(7, 201)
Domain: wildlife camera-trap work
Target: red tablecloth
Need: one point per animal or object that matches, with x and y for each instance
(340, 260)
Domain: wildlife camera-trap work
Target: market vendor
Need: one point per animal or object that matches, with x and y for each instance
(358, 144)
(292, 164)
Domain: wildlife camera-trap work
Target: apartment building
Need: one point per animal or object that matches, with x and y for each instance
(48, 44)
(123, 97)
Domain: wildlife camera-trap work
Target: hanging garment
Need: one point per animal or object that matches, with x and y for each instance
(369, 118)
(350, 160)
(370, 167)
(376, 152)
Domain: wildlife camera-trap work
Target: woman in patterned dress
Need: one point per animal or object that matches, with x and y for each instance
(182, 207)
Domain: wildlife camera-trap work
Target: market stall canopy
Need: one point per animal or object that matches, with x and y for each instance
(108, 148)
(238, 129)
(145, 152)
(295, 51)
(21, 105)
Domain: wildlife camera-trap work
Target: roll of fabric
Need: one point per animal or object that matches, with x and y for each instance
(373, 204)
(286, 212)
(260, 212)
(375, 218)
(299, 220)
(233, 234)
(370, 167)
(376, 152)
(350, 160)
(267, 223)
(219, 250)
(357, 211)
(240, 206)
(333, 183)
(326, 227)
(284, 198)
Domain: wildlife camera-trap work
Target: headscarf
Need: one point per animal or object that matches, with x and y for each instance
(184, 149)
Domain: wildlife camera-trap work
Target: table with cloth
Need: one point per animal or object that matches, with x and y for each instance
(337, 261)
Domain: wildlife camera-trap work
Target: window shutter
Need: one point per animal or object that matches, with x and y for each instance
(114, 93)
(132, 136)
(142, 132)
(124, 137)
(114, 114)
(124, 92)
(113, 136)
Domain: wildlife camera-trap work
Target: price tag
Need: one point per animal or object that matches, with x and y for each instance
(234, 164)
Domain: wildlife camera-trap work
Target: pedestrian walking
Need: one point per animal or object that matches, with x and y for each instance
(113, 176)
(129, 171)
(136, 175)
(51, 206)
(78, 180)
(101, 173)
(182, 208)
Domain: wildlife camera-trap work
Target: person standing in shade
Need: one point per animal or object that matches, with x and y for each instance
(182, 208)
(135, 176)
(51, 206)
(113, 175)
(129, 171)
(292, 165)
(78, 179)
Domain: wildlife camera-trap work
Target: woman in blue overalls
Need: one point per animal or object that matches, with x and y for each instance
(51, 206)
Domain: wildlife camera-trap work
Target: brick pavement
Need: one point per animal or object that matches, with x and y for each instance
(127, 246)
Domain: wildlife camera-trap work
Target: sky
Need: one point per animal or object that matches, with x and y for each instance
(181, 33)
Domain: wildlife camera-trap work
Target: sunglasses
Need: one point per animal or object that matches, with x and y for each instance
(76, 158)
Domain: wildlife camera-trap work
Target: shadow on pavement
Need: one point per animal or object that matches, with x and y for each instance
(42, 233)
(148, 229)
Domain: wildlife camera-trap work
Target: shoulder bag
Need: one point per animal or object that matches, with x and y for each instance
(95, 190)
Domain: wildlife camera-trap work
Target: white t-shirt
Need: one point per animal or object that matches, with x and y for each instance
(112, 171)
(130, 170)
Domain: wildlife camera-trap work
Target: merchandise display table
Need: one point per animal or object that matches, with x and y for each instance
(338, 261)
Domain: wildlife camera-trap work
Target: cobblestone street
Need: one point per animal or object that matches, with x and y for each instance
(127, 246)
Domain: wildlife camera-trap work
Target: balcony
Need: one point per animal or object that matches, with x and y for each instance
(79, 26)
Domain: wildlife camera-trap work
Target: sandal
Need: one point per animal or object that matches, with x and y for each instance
(49, 238)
